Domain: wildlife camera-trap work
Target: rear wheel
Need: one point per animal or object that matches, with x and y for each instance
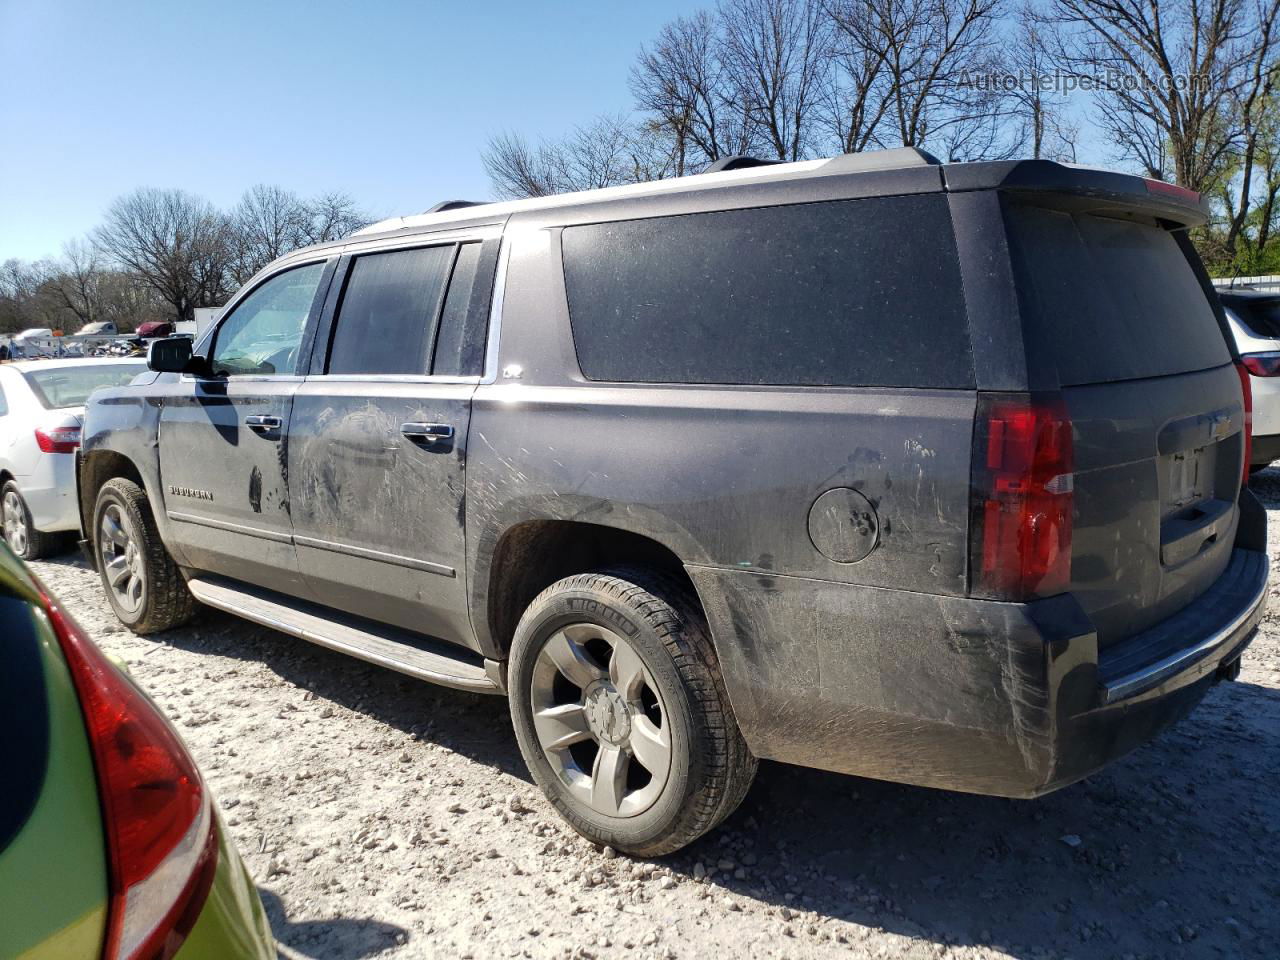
(142, 583)
(19, 532)
(621, 714)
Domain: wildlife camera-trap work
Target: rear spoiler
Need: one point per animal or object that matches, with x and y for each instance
(1168, 201)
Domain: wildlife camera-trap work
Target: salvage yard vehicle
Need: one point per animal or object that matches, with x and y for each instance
(41, 409)
(110, 846)
(923, 472)
(1253, 317)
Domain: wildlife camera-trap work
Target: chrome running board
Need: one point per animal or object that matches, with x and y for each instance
(422, 658)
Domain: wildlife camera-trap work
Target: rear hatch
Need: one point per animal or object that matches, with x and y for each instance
(1115, 316)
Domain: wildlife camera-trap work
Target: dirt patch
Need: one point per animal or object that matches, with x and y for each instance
(385, 817)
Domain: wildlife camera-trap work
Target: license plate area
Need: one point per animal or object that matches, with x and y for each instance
(1184, 480)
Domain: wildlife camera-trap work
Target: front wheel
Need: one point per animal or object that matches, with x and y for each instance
(142, 583)
(621, 713)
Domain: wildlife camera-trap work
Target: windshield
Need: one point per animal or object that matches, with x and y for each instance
(1110, 299)
(58, 387)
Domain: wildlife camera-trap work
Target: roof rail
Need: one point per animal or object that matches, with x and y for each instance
(881, 160)
(739, 161)
(444, 205)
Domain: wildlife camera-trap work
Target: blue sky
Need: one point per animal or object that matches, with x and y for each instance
(388, 100)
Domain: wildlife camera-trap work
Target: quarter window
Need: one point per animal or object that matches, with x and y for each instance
(845, 293)
(262, 334)
(387, 317)
(459, 351)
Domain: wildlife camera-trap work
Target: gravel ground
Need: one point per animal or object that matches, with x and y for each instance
(385, 817)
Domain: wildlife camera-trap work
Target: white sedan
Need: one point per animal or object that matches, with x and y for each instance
(41, 411)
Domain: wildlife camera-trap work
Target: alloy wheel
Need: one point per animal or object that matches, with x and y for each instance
(123, 564)
(15, 523)
(600, 720)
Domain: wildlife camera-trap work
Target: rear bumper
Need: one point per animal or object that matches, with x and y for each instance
(50, 493)
(979, 696)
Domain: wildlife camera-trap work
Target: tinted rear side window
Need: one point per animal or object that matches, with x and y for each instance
(1110, 299)
(847, 293)
(458, 350)
(386, 320)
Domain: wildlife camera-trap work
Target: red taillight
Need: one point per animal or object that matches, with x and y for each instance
(156, 812)
(58, 439)
(1246, 387)
(1023, 482)
(1262, 364)
(1173, 190)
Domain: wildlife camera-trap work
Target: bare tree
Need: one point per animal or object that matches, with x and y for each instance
(1037, 101)
(682, 87)
(776, 55)
(332, 216)
(855, 97)
(79, 281)
(916, 54)
(29, 296)
(606, 152)
(518, 169)
(176, 243)
(267, 223)
(1180, 79)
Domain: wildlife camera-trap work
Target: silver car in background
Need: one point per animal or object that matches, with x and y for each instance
(1254, 319)
(41, 412)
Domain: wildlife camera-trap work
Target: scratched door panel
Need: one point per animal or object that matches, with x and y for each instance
(378, 517)
(225, 486)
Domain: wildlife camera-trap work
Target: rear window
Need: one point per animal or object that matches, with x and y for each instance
(1261, 316)
(58, 387)
(1110, 299)
(846, 293)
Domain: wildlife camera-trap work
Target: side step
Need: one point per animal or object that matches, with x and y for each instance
(385, 646)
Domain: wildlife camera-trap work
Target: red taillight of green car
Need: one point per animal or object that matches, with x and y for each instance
(120, 854)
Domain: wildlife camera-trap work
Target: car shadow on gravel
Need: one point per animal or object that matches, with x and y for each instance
(338, 939)
(1173, 845)
(474, 725)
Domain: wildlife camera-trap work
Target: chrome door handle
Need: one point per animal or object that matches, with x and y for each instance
(427, 433)
(263, 424)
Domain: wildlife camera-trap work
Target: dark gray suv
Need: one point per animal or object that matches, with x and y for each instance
(923, 472)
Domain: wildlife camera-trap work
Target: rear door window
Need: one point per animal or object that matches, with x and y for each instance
(459, 350)
(845, 293)
(1110, 299)
(386, 321)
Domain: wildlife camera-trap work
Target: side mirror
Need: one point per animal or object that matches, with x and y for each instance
(170, 355)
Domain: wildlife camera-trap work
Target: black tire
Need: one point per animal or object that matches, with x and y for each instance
(711, 768)
(166, 602)
(32, 544)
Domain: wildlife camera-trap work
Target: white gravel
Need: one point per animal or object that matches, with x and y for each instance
(385, 817)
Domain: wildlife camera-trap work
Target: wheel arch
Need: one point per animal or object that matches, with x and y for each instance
(96, 468)
(531, 555)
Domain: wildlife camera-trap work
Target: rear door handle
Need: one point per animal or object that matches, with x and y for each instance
(263, 424)
(427, 433)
